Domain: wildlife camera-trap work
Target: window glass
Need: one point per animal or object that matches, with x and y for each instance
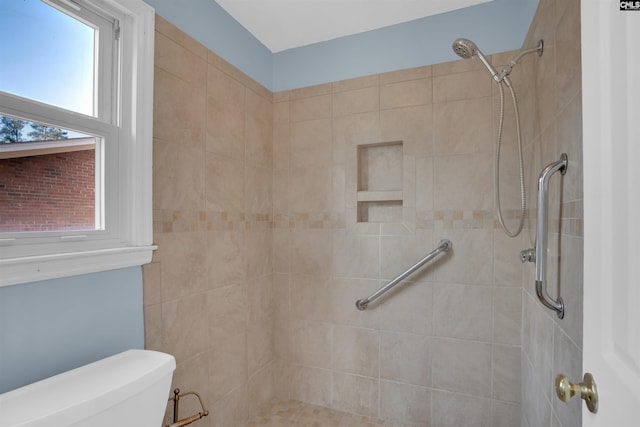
(47, 178)
(47, 55)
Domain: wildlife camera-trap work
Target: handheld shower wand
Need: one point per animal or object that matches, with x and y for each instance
(466, 49)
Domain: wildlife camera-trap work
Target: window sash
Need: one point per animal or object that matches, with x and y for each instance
(132, 245)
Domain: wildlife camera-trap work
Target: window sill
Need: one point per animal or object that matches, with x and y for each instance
(43, 267)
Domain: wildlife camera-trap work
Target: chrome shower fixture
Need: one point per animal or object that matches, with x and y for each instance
(466, 49)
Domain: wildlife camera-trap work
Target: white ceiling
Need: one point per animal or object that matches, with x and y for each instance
(285, 24)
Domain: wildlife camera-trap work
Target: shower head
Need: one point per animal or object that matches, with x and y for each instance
(466, 49)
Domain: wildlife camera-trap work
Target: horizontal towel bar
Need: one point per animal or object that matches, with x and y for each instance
(443, 246)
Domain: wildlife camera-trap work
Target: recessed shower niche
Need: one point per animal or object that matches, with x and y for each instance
(380, 182)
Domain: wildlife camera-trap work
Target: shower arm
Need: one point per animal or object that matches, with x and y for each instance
(506, 70)
(541, 236)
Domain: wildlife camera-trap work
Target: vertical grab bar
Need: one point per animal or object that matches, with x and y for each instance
(541, 236)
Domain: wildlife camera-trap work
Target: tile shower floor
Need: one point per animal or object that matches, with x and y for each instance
(291, 413)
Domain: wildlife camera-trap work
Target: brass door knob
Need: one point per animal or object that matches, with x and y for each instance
(587, 390)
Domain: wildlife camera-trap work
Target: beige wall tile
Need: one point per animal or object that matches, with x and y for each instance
(411, 125)
(568, 55)
(151, 274)
(179, 110)
(355, 255)
(261, 389)
(310, 189)
(407, 308)
(507, 270)
(281, 250)
(506, 373)
(227, 366)
(404, 75)
(463, 311)
(567, 359)
(464, 182)
(462, 366)
(226, 258)
(259, 245)
(258, 130)
(182, 258)
(507, 315)
(406, 358)
(355, 394)
(225, 186)
(466, 85)
(310, 297)
(454, 67)
(348, 132)
(504, 414)
(307, 92)
(453, 410)
(311, 385)
(356, 351)
(232, 409)
(311, 252)
(184, 325)
(463, 127)
(175, 169)
(356, 101)
(470, 260)
(407, 93)
(311, 343)
(166, 28)
(344, 293)
(353, 84)
(259, 349)
(189, 376)
(260, 299)
(281, 296)
(311, 108)
(299, 163)
(397, 253)
(227, 317)
(405, 403)
(225, 115)
(310, 144)
(153, 334)
(258, 190)
(179, 61)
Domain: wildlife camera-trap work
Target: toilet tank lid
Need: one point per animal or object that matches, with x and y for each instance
(101, 384)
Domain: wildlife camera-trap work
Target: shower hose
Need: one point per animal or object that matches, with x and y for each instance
(496, 175)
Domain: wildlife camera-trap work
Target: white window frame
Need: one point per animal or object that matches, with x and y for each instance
(130, 242)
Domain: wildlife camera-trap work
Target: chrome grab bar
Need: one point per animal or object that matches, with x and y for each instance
(443, 246)
(541, 235)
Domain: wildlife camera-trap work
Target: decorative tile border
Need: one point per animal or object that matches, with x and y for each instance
(571, 222)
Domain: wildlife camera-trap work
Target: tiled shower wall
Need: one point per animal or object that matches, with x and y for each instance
(443, 349)
(261, 255)
(551, 346)
(208, 292)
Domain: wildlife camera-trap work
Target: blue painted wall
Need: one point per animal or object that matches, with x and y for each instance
(52, 326)
(496, 26)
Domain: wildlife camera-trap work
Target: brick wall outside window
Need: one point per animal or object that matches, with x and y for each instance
(48, 192)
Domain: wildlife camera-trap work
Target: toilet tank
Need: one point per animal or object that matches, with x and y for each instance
(127, 389)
